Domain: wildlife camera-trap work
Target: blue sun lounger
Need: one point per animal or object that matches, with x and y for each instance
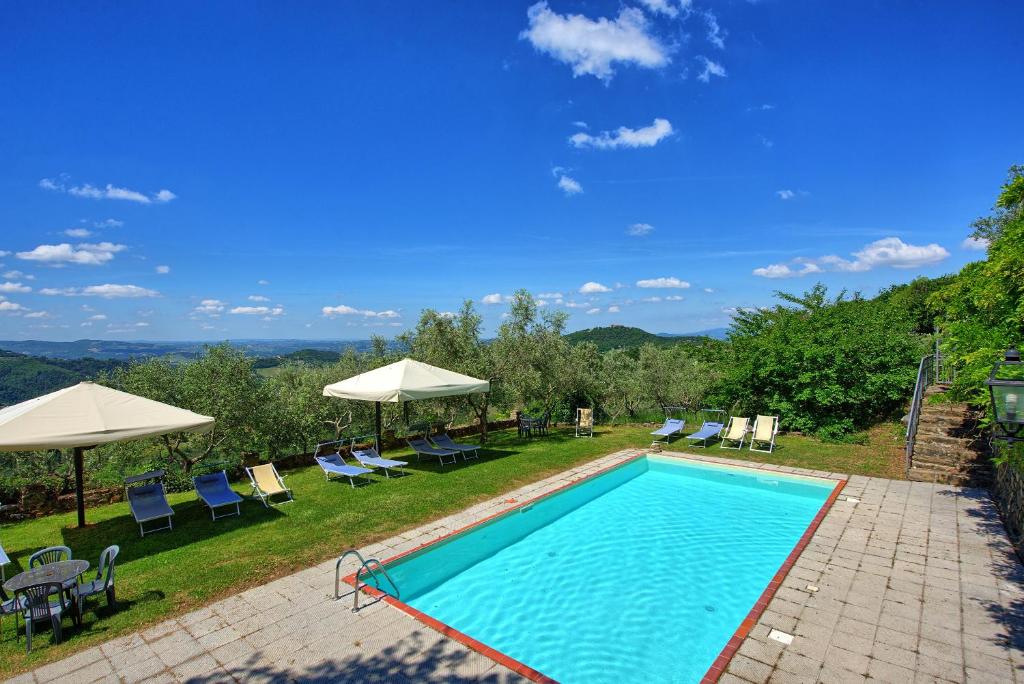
(423, 448)
(369, 458)
(443, 441)
(333, 464)
(214, 490)
(709, 430)
(148, 502)
(672, 426)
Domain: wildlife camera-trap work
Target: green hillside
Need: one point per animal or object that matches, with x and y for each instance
(625, 337)
(24, 377)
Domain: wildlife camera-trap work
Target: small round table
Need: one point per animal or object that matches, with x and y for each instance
(61, 571)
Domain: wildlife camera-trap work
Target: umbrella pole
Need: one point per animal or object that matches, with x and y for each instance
(79, 484)
(380, 446)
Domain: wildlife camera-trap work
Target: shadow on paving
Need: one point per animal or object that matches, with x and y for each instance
(411, 660)
(1007, 568)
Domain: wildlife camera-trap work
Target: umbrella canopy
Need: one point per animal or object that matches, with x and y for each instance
(406, 380)
(86, 415)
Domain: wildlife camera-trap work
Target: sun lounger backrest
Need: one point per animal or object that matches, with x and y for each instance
(146, 492)
(266, 478)
(586, 417)
(737, 428)
(764, 428)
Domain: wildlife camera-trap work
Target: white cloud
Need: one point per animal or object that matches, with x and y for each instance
(711, 68)
(550, 295)
(107, 291)
(494, 298)
(210, 307)
(258, 298)
(343, 310)
(613, 309)
(974, 244)
(716, 35)
(163, 270)
(709, 290)
(262, 282)
(674, 298)
(109, 191)
(78, 232)
(593, 288)
(592, 47)
(10, 286)
(258, 310)
(890, 251)
(570, 186)
(83, 253)
(651, 300)
(785, 194)
(663, 7)
(648, 136)
(7, 306)
(593, 310)
(98, 317)
(108, 223)
(640, 229)
(39, 314)
(17, 275)
(669, 282)
(580, 124)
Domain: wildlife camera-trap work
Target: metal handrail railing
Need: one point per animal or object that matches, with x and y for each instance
(926, 372)
(364, 564)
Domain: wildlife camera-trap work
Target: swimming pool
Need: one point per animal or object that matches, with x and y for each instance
(646, 570)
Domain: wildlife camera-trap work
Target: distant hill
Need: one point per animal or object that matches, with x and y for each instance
(310, 357)
(625, 337)
(24, 377)
(124, 351)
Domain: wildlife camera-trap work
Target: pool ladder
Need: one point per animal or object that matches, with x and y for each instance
(366, 564)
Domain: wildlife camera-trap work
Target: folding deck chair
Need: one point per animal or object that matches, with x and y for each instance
(215, 492)
(266, 483)
(334, 464)
(735, 431)
(584, 422)
(443, 441)
(4, 562)
(709, 429)
(423, 448)
(148, 502)
(765, 429)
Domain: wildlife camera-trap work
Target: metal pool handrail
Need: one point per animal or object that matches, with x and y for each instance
(364, 564)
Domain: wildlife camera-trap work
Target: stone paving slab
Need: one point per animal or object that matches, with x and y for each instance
(915, 582)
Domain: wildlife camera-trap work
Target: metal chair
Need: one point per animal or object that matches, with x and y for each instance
(104, 582)
(39, 607)
(51, 554)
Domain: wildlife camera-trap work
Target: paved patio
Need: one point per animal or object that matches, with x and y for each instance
(914, 583)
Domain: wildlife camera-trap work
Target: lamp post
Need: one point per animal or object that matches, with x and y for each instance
(1006, 391)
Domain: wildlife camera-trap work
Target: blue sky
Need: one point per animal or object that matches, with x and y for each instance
(327, 170)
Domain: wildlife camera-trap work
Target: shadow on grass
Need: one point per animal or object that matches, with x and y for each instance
(1006, 566)
(192, 523)
(417, 658)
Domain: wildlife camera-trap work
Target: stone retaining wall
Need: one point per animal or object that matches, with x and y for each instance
(1008, 493)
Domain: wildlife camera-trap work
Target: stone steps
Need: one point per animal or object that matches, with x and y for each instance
(948, 448)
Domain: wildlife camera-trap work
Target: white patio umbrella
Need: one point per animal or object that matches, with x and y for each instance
(86, 415)
(405, 380)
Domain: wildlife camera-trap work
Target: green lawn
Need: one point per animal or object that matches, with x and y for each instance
(169, 573)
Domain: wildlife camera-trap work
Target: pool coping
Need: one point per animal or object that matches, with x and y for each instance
(721, 661)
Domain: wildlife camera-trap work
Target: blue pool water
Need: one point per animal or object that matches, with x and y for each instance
(644, 571)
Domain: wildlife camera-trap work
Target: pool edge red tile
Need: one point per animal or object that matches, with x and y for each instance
(721, 662)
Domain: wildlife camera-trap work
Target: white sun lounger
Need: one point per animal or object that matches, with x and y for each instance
(765, 429)
(267, 482)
